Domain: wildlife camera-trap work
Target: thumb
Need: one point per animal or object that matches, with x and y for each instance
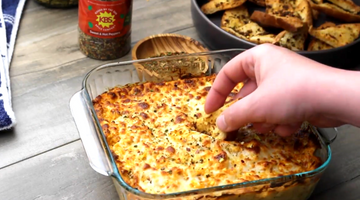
(240, 113)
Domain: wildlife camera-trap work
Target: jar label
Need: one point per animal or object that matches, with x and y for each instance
(105, 19)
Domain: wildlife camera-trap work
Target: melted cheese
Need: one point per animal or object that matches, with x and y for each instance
(164, 142)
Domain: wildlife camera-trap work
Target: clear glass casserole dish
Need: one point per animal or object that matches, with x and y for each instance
(291, 187)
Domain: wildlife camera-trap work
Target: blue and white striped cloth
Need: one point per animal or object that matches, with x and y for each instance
(10, 14)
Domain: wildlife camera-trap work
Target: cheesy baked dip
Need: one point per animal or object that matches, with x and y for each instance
(164, 142)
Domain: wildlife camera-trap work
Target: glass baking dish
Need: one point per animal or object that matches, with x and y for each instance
(291, 187)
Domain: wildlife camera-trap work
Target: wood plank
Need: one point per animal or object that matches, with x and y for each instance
(52, 40)
(188, 30)
(39, 22)
(24, 83)
(345, 163)
(345, 191)
(60, 174)
(42, 111)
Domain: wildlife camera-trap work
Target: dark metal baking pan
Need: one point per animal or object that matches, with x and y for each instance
(215, 38)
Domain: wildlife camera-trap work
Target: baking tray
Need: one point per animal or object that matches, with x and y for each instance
(215, 38)
(101, 78)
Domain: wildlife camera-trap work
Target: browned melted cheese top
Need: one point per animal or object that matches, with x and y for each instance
(164, 142)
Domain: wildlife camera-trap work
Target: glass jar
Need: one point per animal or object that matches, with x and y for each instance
(58, 3)
(105, 28)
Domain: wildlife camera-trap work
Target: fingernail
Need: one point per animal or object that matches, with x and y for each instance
(220, 122)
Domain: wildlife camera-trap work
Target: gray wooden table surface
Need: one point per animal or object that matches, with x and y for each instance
(42, 158)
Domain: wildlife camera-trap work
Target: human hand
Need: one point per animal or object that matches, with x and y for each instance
(282, 90)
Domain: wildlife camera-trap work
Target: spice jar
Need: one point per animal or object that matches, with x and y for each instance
(105, 28)
(58, 3)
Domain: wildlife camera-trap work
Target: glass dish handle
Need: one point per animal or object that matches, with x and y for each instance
(328, 134)
(89, 137)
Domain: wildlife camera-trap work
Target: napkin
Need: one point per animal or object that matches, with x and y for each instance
(10, 14)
